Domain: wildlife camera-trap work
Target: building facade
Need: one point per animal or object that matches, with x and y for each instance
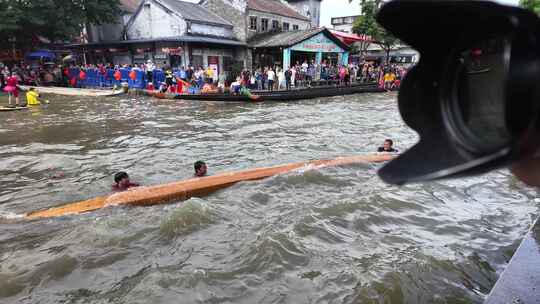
(113, 31)
(171, 33)
(254, 18)
(344, 24)
(310, 9)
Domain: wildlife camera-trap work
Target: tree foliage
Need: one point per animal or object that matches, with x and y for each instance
(367, 24)
(22, 20)
(533, 5)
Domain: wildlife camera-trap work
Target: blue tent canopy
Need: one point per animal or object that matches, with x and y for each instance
(41, 54)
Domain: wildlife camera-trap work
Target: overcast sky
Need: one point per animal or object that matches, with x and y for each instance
(339, 8)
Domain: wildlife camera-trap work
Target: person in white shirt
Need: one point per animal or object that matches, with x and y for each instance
(281, 79)
(150, 70)
(271, 77)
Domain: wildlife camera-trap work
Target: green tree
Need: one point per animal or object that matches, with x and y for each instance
(533, 5)
(56, 20)
(367, 24)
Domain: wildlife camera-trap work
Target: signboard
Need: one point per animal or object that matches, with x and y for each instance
(118, 50)
(173, 51)
(213, 63)
(142, 51)
(318, 43)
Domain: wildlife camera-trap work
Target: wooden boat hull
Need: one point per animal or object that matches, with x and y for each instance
(6, 109)
(308, 93)
(75, 91)
(197, 187)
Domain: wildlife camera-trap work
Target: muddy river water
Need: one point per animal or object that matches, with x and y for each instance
(335, 235)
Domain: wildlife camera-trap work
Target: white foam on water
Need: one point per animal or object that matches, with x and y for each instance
(10, 215)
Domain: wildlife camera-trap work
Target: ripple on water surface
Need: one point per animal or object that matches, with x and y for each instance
(333, 235)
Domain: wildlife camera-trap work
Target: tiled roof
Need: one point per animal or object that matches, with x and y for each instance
(185, 38)
(195, 12)
(275, 7)
(287, 39)
(130, 6)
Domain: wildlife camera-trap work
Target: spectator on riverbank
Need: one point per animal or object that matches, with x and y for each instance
(271, 77)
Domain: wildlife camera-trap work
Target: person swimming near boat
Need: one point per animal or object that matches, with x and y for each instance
(32, 98)
(244, 91)
(387, 147)
(122, 182)
(200, 169)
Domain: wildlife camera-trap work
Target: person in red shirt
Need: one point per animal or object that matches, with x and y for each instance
(12, 88)
(122, 182)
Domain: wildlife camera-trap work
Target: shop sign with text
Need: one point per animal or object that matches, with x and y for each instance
(318, 43)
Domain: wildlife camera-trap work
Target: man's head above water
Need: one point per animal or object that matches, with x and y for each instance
(200, 168)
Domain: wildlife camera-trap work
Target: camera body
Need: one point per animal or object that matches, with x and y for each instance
(474, 96)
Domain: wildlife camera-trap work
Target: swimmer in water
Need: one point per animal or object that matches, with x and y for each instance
(200, 169)
(122, 182)
(387, 147)
(32, 98)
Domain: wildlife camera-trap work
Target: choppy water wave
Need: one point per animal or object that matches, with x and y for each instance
(324, 235)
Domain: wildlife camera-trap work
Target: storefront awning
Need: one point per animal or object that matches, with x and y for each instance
(351, 38)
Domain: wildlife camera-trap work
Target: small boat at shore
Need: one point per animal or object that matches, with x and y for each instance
(285, 95)
(75, 91)
(196, 187)
(8, 109)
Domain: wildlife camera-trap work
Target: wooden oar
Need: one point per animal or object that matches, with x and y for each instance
(196, 187)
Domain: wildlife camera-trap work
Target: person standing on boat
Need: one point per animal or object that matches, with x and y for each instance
(209, 75)
(150, 70)
(293, 76)
(259, 79)
(281, 79)
(271, 77)
(288, 77)
(12, 88)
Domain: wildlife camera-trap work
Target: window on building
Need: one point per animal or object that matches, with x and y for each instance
(295, 27)
(338, 21)
(197, 61)
(253, 23)
(275, 25)
(264, 25)
(285, 26)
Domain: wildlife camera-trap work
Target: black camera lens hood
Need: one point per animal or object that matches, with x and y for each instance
(435, 29)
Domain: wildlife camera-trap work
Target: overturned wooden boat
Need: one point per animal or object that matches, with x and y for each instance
(196, 187)
(76, 91)
(284, 95)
